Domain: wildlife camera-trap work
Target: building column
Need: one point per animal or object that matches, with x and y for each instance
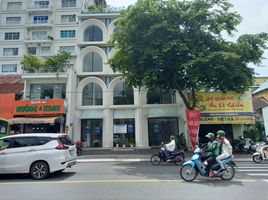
(107, 134)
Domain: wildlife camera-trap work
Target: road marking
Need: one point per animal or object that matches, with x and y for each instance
(117, 181)
(252, 167)
(252, 170)
(112, 160)
(257, 174)
(265, 180)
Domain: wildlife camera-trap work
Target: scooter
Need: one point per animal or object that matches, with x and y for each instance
(190, 169)
(261, 153)
(177, 157)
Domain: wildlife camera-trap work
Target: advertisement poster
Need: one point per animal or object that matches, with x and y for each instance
(120, 128)
(193, 121)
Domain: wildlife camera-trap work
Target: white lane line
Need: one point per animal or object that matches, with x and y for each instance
(252, 167)
(257, 174)
(252, 170)
(112, 160)
(265, 180)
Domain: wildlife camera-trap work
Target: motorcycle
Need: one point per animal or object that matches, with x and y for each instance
(261, 153)
(177, 157)
(190, 169)
(250, 146)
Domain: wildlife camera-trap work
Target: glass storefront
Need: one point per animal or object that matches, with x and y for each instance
(160, 129)
(124, 132)
(91, 132)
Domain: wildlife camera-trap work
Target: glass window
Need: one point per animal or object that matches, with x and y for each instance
(92, 95)
(9, 68)
(10, 51)
(47, 91)
(23, 142)
(41, 4)
(68, 18)
(91, 132)
(39, 35)
(68, 3)
(67, 34)
(160, 96)
(40, 19)
(92, 62)
(93, 33)
(45, 50)
(160, 129)
(13, 20)
(14, 5)
(5, 143)
(123, 95)
(12, 36)
(32, 50)
(124, 132)
(69, 49)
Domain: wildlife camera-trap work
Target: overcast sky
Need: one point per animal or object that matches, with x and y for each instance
(255, 20)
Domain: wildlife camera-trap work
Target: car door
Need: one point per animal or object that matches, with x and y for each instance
(4, 144)
(20, 155)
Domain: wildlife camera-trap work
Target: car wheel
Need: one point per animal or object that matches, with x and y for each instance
(39, 170)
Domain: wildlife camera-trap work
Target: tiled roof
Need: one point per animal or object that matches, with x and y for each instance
(11, 84)
(259, 103)
(263, 86)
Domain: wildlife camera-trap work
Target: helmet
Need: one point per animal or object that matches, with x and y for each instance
(210, 135)
(221, 132)
(172, 137)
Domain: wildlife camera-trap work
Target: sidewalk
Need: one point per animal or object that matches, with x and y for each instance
(136, 155)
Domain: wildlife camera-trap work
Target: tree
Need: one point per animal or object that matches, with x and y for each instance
(178, 45)
(56, 63)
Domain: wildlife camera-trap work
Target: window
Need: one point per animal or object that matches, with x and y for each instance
(41, 4)
(68, 18)
(32, 50)
(69, 49)
(92, 95)
(39, 35)
(93, 33)
(12, 36)
(93, 127)
(40, 19)
(10, 51)
(68, 3)
(45, 50)
(123, 95)
(92, 62)
(23, 142)
(47, 91)
(13, 20)
(67, 34)
(14, 5)
(160, 96)
(9, 68)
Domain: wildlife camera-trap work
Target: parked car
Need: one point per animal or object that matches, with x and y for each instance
(37, 154)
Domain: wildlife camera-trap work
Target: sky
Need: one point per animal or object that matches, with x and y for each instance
(255, 20)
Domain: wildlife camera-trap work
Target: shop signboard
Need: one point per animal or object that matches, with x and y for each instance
(39, 107)
(193, 121)
(120, 128)
(7, 102)
(225, 108)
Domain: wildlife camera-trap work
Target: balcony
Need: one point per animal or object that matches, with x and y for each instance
(40, 9)
(40, 23)
(37, 41)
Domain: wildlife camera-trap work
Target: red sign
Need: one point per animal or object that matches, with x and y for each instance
(193, 121)
(7, 104)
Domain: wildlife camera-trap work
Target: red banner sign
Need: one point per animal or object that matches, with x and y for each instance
(193, 121)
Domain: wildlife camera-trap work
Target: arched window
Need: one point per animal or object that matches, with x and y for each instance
(123, 95)
(92, 62)
(92, 95)
(160, 96)
(93, 33)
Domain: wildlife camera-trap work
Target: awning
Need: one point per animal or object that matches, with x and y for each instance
(33, 120)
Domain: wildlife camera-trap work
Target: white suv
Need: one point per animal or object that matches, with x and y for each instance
(37, 154)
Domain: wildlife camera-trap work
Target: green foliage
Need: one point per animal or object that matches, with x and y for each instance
(178, 45)
(98, 6)
(32, 63)
(255, 132)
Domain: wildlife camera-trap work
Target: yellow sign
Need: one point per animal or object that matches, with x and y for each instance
(225, 108)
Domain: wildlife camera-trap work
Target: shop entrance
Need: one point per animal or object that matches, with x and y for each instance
(206, 128)
(124, 132)
(91, 132)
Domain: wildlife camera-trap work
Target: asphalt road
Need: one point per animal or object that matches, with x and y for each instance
(136, 180)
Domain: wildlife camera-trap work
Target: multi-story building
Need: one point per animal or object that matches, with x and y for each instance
(99, 108)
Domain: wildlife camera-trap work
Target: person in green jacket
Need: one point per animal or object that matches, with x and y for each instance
(212, 151)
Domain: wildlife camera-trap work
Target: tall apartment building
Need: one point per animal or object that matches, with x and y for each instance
(98, 108)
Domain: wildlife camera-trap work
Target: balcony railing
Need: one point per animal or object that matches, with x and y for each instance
(93, 10)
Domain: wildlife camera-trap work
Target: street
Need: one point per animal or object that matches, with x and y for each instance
(136, 180)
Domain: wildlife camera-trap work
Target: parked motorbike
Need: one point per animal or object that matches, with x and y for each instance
(78, 145)
(190, 169)
(250, 146)
(261, 153)
(177, 157)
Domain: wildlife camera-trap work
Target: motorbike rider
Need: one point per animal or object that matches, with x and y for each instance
(169, 147)
(212, 151)
(225, 149)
